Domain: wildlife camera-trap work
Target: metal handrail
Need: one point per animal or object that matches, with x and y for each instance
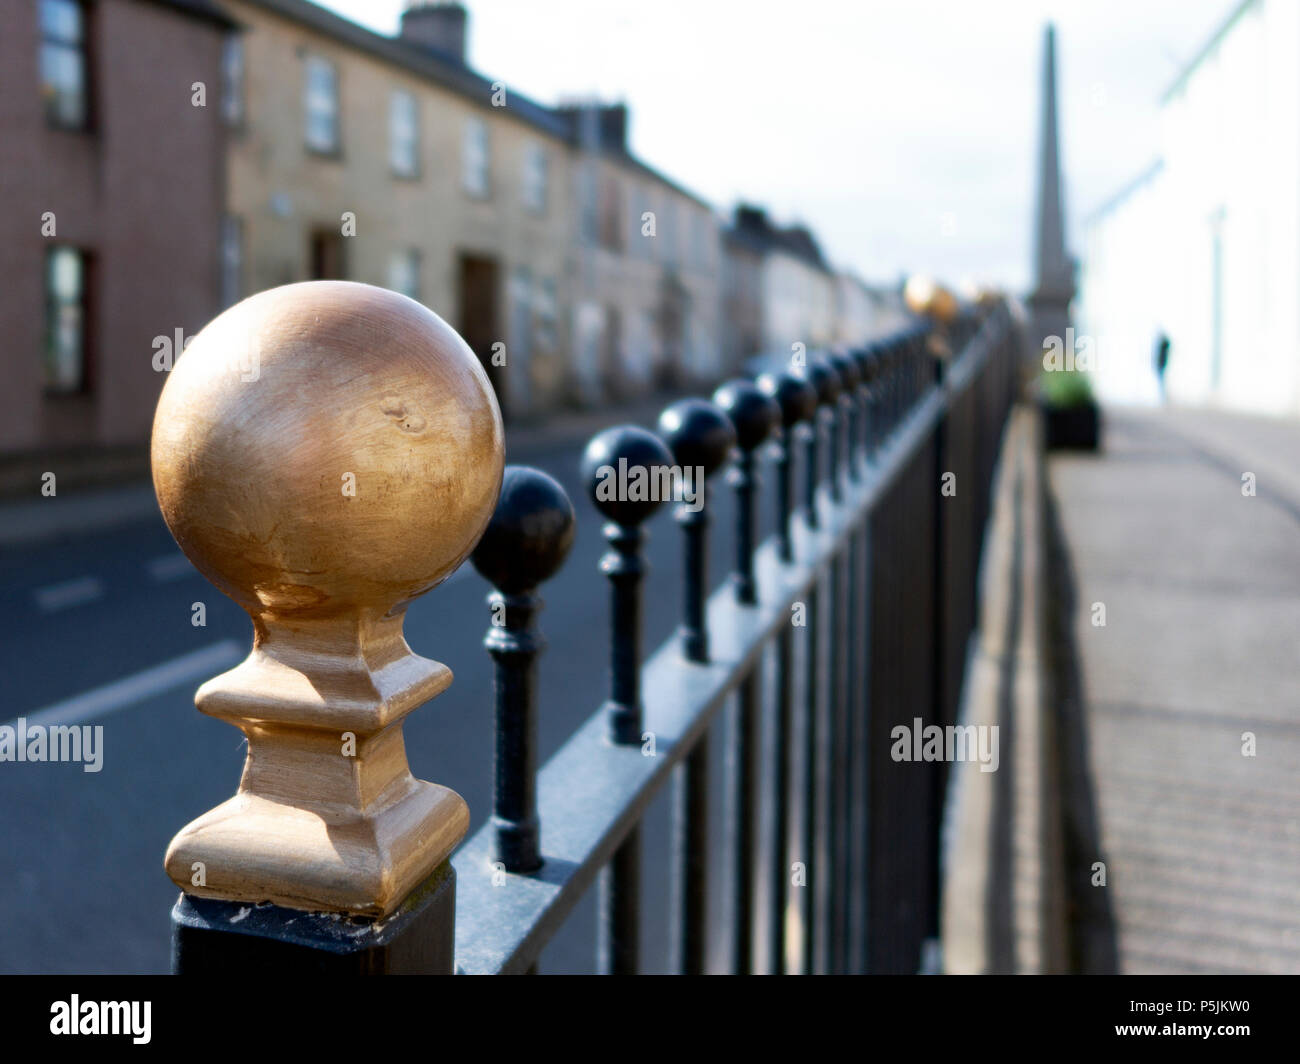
(591, 792)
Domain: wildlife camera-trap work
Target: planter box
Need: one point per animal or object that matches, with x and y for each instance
(1075, 428)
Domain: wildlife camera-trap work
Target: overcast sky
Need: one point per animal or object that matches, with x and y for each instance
(905, 134)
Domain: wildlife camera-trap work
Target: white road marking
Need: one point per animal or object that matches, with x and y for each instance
(109, 698)
(169, 567)
(54, 597)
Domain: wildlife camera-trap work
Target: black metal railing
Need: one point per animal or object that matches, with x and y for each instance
(877, 561)
(850, 620)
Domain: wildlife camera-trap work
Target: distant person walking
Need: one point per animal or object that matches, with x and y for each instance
(1161, 360)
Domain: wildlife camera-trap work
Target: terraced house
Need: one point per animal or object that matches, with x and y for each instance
(778, 290)
(648, 262)
(112, 192)
(388, 161)
(579, 273)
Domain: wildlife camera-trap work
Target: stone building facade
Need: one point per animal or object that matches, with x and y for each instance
(113, 163)
(390, 162)
(647, 262)
(778, 286)
(579, 273)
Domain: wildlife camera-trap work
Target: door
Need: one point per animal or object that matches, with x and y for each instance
(478, 316)
(325, 256)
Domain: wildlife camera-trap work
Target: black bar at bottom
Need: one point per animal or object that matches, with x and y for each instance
(215, 937)
(745, 771)
(618, 945)
(691, 857)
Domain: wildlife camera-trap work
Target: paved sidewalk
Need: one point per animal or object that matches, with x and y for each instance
(1201, 645)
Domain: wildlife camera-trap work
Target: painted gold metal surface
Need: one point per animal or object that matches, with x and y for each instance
(324, 453)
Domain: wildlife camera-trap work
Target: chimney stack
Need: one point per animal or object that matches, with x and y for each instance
(436, 26)
(599, 126)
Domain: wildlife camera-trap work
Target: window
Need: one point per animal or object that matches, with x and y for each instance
(535, 173)
(65, 320)
(588, 214)
(63, 63)
(404, 272)
(474, 159)
(232, 260)
(668, 233)
(403, 134)
(321, 105)
(548, 315)
(232, 79)
(611, 214)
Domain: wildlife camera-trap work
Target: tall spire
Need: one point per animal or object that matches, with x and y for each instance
(1053, 267)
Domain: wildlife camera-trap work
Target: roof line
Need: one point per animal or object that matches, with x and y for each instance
(1125, 191)
(626, 157)
(438, 68)
(1206, 49)
(456, 76)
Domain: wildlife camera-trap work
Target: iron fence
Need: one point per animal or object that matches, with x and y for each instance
(850, 621)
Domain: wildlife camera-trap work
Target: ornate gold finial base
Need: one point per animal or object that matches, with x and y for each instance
(328, 816)
(253, 849)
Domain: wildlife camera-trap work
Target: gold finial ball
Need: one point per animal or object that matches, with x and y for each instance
(327, 447)
(923, 295)
(977, 293)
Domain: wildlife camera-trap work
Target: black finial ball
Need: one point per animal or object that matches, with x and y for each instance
(822, 376)
(530, 533)
(624, 469)
(794, 395)
(847, 367)
(754, 413)
(698, 433)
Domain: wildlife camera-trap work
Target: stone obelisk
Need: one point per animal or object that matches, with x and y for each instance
(1053, 288)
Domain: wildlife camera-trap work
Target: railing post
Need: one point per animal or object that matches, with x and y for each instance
(610, 464)
(797, 400)
(850, 407)
(818, 373)
(755, 417)
(869, 360)
(700, 437)
(354, 471)
(825, 382)
(843, 652)
(863, 443)
(525, 543)
(798, 403)
(937, 337)
(859, 686)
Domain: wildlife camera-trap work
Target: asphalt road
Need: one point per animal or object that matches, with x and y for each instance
(81, 882)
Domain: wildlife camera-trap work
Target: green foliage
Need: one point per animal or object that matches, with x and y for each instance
(1065, 388)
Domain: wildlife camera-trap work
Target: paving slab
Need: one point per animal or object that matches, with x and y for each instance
(1191, 688)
